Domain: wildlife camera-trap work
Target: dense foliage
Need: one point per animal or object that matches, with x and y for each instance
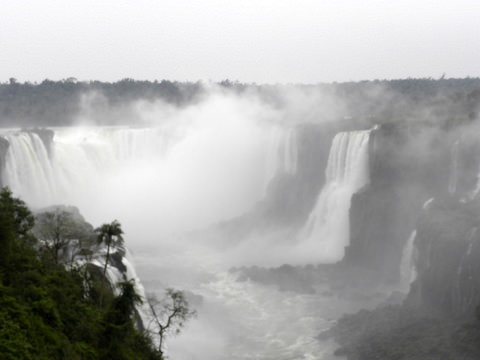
(50, 312)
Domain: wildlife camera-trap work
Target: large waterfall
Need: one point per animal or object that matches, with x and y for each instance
(203, 172)
(77, 160)
(327, 230)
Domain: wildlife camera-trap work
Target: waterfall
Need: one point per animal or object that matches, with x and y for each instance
(208, 171)
(408, 272)
(290, 152)
(452, 183)
(347, 172)
(28, 170)
(474, 193)
(282, 153)
(79, 157)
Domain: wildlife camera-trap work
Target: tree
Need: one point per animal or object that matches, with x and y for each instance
(168, 315)
(109, 234)
(18, 213)
(124, 304)
(56, 229)
(120, 335)
(16, 221)
(64, 233)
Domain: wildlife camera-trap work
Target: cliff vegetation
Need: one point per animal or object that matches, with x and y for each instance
(51, 309)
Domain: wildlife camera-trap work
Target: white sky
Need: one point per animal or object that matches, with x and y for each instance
(263, 41)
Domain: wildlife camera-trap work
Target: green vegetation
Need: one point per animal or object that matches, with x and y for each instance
(52, 311)
(109, 234)
(62, 236)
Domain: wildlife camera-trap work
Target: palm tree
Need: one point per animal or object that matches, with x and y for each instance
(109, 234)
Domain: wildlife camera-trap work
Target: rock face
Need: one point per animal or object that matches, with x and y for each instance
(407, 167)
(439, 319)
(448, 258)
(410, 166)
(290, 197)
(447, 242)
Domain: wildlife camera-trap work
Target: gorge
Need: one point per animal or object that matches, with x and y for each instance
(275, 229)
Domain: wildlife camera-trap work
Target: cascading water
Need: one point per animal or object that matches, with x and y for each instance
(282, 153)
(327, 229)
(408, 271)
(184, 164)
(290, 152)
(452, 183)
(79, 158)
(28, 170)
(474, 193)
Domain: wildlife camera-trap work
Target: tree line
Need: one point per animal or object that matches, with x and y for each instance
(64, 102)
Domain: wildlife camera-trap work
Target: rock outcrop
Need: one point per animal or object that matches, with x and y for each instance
(408, 165)
(448, 258)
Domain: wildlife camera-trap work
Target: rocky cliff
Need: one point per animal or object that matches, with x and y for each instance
(439, 318)
(408, 165)
(447, 258)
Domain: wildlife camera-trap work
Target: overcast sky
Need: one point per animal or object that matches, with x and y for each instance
(263, 41)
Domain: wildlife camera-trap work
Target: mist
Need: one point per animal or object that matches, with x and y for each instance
(213, 161)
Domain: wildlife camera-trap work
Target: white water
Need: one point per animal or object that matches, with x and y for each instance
(474, 193)
(187, 175)
(326, 232)
(282, 153)
(408, 271)
(28, 170)
(80, 159)
(452, 183)
(242, 320)
(115, 276)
